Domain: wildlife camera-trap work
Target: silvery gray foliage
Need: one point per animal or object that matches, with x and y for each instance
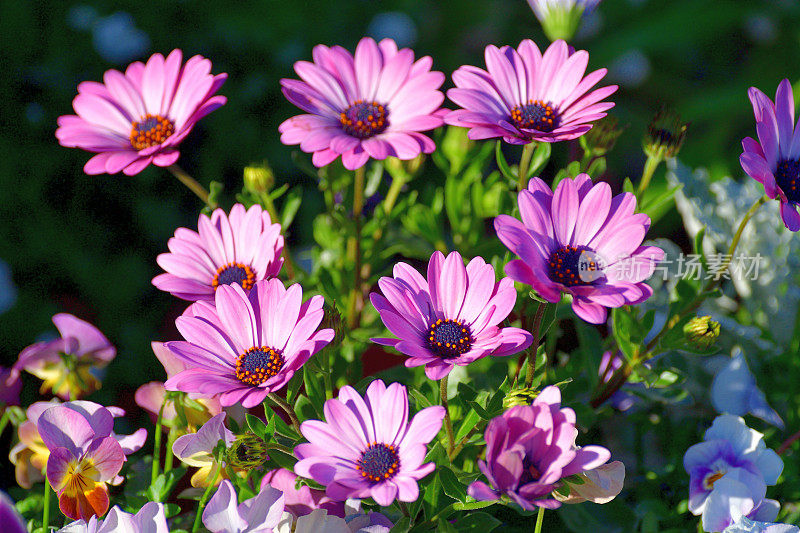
(773, 297)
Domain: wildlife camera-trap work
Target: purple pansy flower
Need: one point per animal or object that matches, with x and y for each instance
(10, 387)
(196, 449)
(260, 514)
(9, 517)
(84, 456)
(367, 447)
(729, 473)
(581, 241)
(774, 160)
(241, 248)
(140, 117)
(65, 364)
(452, 317)
(525, 96)
(149, 519)
(529, 449)
(247, 345)
(300, 501)
(371, 105)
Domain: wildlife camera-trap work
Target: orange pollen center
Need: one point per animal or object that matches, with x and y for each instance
(379, 462)
(151, 130)
(234, 273)
(535, 115)
(257, 365)
(364, 119)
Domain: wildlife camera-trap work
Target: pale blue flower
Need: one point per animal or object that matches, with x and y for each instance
(745, 525)
(734, 392)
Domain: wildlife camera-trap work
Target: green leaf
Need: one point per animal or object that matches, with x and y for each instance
(470, 422)
(443, 526)
(422, 401)
(477, 523)
(290, 207)
(541, 155)
(402, 525)
(315, 388)
(502, 164)
(627, 186)
(471, 506)
(257, 426)
(451, 485)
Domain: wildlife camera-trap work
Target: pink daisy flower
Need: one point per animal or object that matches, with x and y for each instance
(774, 160)
(140, 117)
(526, 96)
(367, 447)
(373, 104)
(246, 346)
(452, 317)
(581, 241)
(239, 249)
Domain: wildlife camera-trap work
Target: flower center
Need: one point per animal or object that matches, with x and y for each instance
(379, 462)
(257, 365)
(150, 131)
(787, 175)
(575, 265)
(535, 115)
(79, 477)
(364, 120)
(449, 338)
(235, 273)
(709, 481)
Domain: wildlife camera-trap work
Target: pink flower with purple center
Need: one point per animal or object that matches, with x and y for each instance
(247, 345)
(774, 160)
(303, 500)
(140, 117)
(371, 105)
(241, 248)
(66, 364)
(529, 449)
(452, 317)
(367, 447)
(526, 96)
(581, 241)
(84, 456)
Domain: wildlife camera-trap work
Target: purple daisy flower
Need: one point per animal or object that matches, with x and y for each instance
(242, 249)
(247, 345)
(140, 117)
(581, 241)
(373, 104)
(529, 449)
(774, 160)
(81, 344)
(452, 317)
(526, 96)
(367, 447)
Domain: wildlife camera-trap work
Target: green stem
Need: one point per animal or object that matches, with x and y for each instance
(157, 443)
(460, 446)
(287, 408)
(354, 246)
(206, 495)
(279, 447)
(448, 424)
(537, 324)
(191, 183)
(539, 520)
(4, 420)
(173, 436)
(46, 506)
(525, 164)
(326, 372)
(650, 167)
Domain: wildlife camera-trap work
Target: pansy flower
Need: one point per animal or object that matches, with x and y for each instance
(9, 517)
(140, 117)
(260, 514)
(151, 518)
(196, 449)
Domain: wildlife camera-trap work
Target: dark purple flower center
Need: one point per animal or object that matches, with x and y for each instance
(535, 115)
(379, 462)
(363, 119)
(235, 273)
(530, 473)
(449, 338)
(787, 176)
(257, 365)
(150, 131)
(575, 265)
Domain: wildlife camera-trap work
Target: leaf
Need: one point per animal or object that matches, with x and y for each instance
(541, 155)
(290, 207)
(502, 164)
(402, 525)
(314, 388)
(451, 485)
(471, 506)
(477, 523)
(257, 426)
(469, 423)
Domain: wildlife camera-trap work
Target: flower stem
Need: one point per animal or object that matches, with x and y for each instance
(354, 245)
(190, 182)
(448, 424)
(206, 495)
(157, 443)
(650, 167)
(537, 324)
(46, 506)
(539, 520)
(525, 164)
(173, 436)
(287, 408)
(4, 421)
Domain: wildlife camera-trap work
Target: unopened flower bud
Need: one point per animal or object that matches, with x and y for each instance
(602, 137)
(560, 18)
(522, 396)
(701, 332)
(258, 178)
(665, 135)
(247, 452)
(333, 320)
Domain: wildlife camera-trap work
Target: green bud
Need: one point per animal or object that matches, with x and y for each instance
(559, 20)
(258, 178)
(701, 332)
(522, 396)
(333, 320)
(602, 137)
(247, 452)
(665, 135)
